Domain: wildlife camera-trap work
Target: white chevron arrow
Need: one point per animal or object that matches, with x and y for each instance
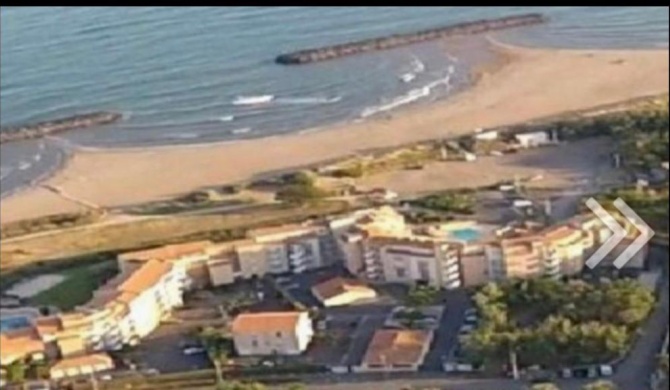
(646, 233)
(618, 233)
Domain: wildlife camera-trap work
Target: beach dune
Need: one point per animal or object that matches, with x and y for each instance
(534, 83)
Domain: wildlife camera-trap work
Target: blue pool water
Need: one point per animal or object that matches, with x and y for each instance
(466, 234)
(11, 323)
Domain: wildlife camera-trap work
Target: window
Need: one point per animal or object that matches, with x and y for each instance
(424, 271)
(254, 343)
(401, 273)
(279, 335)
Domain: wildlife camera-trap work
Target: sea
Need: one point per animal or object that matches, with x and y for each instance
(184, 75)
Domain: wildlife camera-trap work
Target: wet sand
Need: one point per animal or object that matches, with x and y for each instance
(533, 83)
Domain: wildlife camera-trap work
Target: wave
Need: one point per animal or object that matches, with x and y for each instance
(183, 136)
(243, 130)
(37, 157)
(308, 100)
(253, 100)
(411, 96)
(407, 77)
(24, 165)
(5, 172)
(227, 118)
(417, 65)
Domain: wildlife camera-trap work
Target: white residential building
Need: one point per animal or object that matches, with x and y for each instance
(272, 333)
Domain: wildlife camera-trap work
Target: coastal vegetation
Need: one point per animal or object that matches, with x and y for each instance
(408, 157)
(48, 223)
(300, 188)
(457, 202)
(556, 325)
(651, 205)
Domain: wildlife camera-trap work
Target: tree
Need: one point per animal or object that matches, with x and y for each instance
(236, 385)
(16, 372)
(300, 193)
(217, 348)
(422, 296)
(296, 386)
(601, 385)
(545, 386)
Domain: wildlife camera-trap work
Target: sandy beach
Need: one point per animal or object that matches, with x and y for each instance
(533, 83)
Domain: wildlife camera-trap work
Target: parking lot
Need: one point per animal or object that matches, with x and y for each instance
(163, 352)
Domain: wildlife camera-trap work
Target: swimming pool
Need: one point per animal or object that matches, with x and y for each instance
(11, 323)
(466, 234)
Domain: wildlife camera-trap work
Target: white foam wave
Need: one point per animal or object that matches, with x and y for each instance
(407, 77)
(253, 100)
(243, 130)
(227, 118)
(411, 96)
(183, 136)
(24, 165)
(309, 100)
(37, 157)
(417, 65)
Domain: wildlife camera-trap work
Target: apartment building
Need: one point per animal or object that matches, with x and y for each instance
(413, 260)
(517, 258)
(381, 247)
(278, 250)
(474, 265)
(272, 333)
(81, 365)
(191, 257)
(21, 344)
(567, 248)
(123, 311)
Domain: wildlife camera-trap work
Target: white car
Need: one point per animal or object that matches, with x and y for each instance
(466, 329)
(193, 350)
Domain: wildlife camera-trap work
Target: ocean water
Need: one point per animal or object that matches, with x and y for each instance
(182, 75)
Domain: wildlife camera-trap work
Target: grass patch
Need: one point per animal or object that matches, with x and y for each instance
(77, 287)
(48, 223)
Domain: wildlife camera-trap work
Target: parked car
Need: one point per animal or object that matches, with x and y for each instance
(193, 350)
(466, 329)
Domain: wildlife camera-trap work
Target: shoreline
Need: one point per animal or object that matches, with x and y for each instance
(534, 84)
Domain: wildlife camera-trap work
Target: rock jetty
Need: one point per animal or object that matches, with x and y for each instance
(46, 128)
(393, 41)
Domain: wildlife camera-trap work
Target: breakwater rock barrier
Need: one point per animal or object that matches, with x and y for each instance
(384, 43)
(46, 128)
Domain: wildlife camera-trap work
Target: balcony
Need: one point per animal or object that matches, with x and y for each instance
(452, 284)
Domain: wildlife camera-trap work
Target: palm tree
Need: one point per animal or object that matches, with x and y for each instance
(217, 351)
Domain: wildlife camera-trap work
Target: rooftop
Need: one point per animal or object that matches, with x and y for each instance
(266, 322)
(167, 252)
(146, 276)
(336, 286)
(19, 343)
(397, 347)
(92, 360)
